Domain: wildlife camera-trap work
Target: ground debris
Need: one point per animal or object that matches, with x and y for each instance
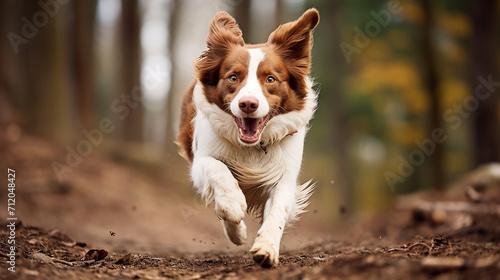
(95, 255)
(42, 257)
(458, 206)
(124, 260)
(64, 262)
(423, 257)
(453, 243)
(448, 263)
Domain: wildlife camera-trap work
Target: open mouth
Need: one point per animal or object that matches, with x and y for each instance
(251, 128)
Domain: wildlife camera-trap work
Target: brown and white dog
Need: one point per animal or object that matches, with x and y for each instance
(243, 124)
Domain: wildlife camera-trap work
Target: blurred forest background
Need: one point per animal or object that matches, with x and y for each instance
(408, 89)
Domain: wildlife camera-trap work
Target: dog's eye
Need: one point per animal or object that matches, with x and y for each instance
(233, 78)
(270, 79)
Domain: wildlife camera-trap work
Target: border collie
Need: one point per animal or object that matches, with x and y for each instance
(242, 128)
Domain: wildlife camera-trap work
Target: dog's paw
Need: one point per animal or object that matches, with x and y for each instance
(237, 233)
(264, 253)
(231, 206)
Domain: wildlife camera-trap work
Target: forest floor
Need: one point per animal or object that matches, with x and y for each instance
(108, 220)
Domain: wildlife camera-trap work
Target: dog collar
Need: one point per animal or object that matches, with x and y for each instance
(264, 148)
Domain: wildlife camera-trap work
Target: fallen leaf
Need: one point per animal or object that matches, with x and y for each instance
(68, 244)
(96, 255)
(33, 241)
(30, 272)
(444, 263)
(42, 257)
(124, 260)
(81, 244)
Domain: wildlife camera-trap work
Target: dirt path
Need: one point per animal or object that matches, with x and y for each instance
(53, 255)
(145, 230)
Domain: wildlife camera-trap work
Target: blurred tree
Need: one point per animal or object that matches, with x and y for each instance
(482, 76)
(340, 134)
(431, 79)
(83, 56)
(131, 108)
(4, 16)
(278, 13)
(45, 76)
(5, 103)
(242, 16)
(175, 89)
(330, 127)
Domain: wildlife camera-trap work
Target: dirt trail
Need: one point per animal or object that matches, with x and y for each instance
(148, 231)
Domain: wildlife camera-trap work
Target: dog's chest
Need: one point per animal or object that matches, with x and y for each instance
(256, 166)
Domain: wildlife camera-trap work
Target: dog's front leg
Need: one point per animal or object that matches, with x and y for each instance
(279, 208)
(214, 182)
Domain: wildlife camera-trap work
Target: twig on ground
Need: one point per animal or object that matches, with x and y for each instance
(64, 262)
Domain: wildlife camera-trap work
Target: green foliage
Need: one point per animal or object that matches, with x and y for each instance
(384, 94)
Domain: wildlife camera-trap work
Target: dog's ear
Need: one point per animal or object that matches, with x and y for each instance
(293, 40)
(224, 34)
(224, 31)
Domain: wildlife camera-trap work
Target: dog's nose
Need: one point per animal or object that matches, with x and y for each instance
(249, 104)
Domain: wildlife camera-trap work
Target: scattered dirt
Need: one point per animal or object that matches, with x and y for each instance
(107, 220)
(52, 255)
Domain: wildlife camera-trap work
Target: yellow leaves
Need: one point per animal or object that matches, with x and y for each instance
(405, 133)
(401, 74)
(400, 38)
(413, 12)
(397, 75)
(458, 162)
(452, 91)
(455, 53)
(456, 24)
(403, 79)
(416, 100)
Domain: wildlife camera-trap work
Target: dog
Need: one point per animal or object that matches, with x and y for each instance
(242, 128)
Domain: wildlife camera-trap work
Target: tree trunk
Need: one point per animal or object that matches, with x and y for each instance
(175, 89)
(431, 79)
(340, 134)
(83, 53)
(278, 13)
(47, 90)
(242, 16)
(484, 46)
(131, 95)
(4, 98)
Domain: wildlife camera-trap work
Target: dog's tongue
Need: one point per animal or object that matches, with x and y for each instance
(250, 126)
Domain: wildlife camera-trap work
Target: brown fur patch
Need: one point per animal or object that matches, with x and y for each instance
(223, 35)
(235, 63)
(282, 98)
(293, 42)
(186, 129)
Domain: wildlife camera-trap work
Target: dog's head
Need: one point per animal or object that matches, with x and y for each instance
(254, 84)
